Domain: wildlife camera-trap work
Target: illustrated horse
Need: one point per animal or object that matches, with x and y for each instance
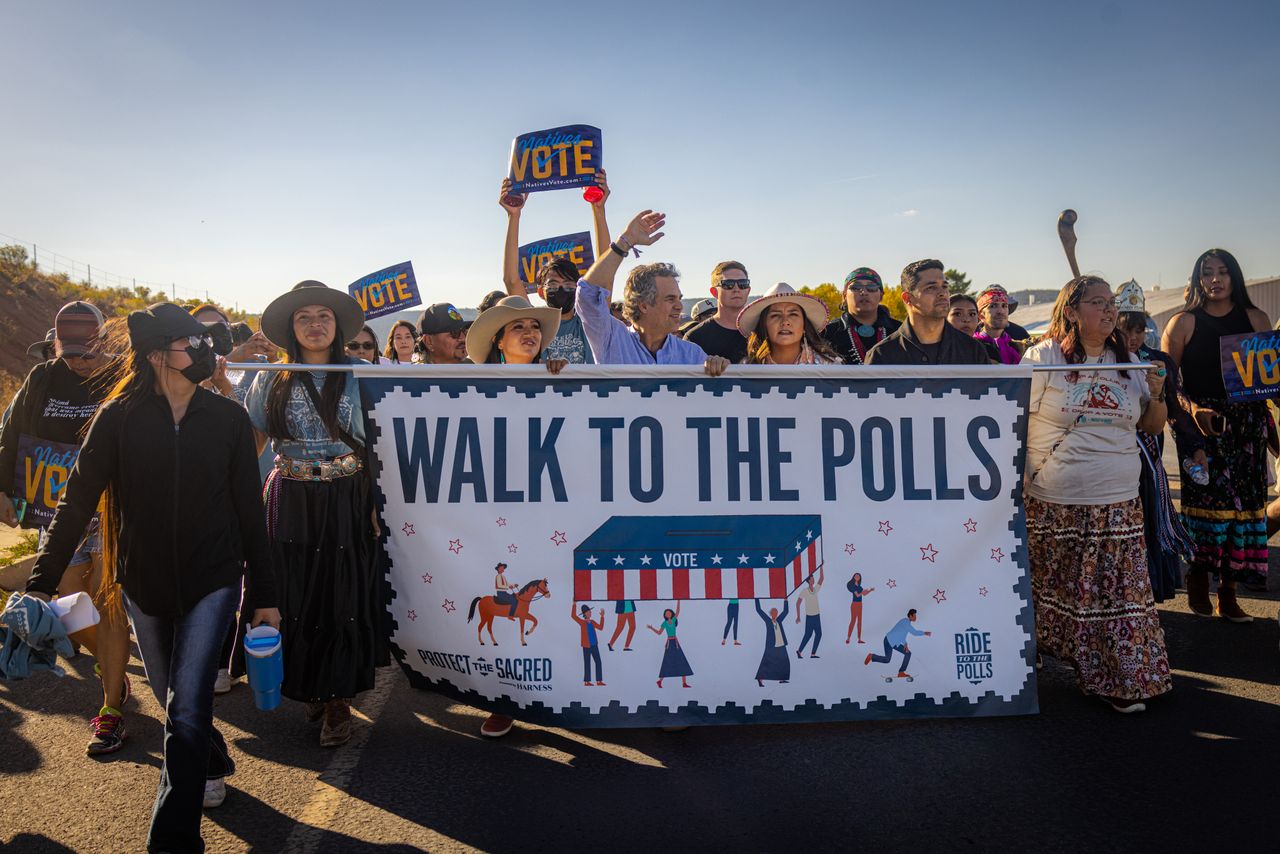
(490, 608)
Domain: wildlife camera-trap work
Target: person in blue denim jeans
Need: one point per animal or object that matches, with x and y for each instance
(182, 519)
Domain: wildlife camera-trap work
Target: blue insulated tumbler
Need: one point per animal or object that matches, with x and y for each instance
(264, 659)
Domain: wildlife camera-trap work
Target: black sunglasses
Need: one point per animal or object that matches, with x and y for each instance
(736, 284)
(360, 345)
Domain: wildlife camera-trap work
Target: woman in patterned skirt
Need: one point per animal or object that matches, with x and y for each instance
(1226, 517)
(1089, 577)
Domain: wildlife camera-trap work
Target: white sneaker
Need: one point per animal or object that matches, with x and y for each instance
(222, 682)
(215, 792)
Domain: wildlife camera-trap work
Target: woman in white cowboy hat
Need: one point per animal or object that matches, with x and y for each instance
(319, 509)
(513, 332)
(782, 328)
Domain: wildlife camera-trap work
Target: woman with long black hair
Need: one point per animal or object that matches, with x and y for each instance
(181, 521)
(1226, 517)
(319, 508)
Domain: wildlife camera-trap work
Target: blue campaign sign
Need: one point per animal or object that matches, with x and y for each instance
(387, 291)
(533, 255)
(1250, 365)
(556, 159)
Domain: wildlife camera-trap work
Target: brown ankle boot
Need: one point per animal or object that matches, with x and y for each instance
(1198, 593)
(1228, 606)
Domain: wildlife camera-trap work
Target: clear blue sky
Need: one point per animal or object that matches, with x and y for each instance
(240, 147)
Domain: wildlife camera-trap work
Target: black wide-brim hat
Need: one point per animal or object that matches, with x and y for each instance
(277, 319)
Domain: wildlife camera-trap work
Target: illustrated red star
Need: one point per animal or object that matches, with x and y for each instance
(940, 596)
(997, 555)
(928, 553)
(455, 546)
(891, 583)
(559, 538)
(426, 578)
(849, 549)
(408, 530)
(502, 523)
(982, 591)
(885, 527)
(412, 615)
(971, 526)
(448, 606)
(512, 548)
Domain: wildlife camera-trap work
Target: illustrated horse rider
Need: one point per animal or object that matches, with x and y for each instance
(503, 590)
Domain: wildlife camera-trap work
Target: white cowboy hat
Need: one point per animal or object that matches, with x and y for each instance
(277, 319)
(502, 312)
(813, 308)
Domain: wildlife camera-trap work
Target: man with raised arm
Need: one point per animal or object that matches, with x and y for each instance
(651, 301)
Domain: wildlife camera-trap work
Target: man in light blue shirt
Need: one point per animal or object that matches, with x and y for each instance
(651, 302)
(897, 640)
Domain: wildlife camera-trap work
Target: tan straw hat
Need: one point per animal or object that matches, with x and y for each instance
(813, 308)
(277, 319)
(504, 311)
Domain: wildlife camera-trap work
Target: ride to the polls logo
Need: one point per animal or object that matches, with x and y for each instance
(973, 655)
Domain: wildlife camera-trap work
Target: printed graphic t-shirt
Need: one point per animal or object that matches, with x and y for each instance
(311, 441)
(570, 344)
(1097, 462)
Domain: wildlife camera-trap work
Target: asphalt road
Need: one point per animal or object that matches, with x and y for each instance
(1196, 771)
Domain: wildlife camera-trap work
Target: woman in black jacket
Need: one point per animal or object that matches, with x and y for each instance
(182, 518)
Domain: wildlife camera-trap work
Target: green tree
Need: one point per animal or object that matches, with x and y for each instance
(957, 282)
(15, 263)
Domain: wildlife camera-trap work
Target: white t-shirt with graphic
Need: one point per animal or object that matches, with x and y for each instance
(1097, 462)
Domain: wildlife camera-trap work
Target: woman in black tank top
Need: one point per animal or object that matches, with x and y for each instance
(1226, 517)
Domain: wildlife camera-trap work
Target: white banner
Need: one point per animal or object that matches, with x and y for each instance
(839, 543)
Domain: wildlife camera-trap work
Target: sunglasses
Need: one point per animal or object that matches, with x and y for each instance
(192, 341)
(84, 357)
(865, 289)
(736, 284)
(360, 345)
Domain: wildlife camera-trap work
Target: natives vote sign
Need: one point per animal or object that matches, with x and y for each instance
(774, 545)
(40, 476)
(576, 246)
(386, 291)
(1250, 365)
(556, 158)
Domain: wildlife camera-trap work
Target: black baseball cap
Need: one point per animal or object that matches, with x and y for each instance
(441, 317)
(155, 326)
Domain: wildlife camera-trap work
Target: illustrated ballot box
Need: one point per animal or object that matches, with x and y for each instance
(697, 557)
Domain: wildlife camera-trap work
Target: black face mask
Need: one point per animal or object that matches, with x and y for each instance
(560, 298)
(202, 364)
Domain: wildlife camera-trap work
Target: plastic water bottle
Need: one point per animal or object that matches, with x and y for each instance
(264, 659)
(1196, 471)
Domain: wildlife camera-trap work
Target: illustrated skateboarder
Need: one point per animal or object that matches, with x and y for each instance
(896, 639)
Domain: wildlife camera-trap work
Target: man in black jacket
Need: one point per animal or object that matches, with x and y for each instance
(926, 338)
(865, 322)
